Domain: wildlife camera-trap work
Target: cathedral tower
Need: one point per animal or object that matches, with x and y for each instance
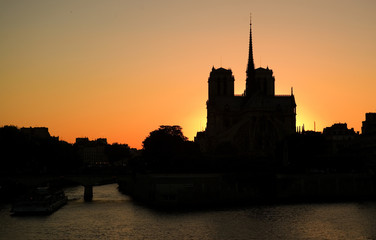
(221, 95)
(221, 83)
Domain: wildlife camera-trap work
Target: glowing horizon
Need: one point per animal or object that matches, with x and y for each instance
(121, 69)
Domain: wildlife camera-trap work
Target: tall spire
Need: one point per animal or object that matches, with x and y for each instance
(251, 65)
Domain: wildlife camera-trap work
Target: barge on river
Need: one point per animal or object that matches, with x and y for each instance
(40, 201)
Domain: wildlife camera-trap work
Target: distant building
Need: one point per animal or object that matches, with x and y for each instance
(92, 153)
(369, 125)
(339, 131)
(37, 133)
(339, 137)
(252, 124)
(82, 141)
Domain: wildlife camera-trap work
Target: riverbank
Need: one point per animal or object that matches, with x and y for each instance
(197, 190)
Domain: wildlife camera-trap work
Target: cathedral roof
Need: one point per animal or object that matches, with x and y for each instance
(220, 71)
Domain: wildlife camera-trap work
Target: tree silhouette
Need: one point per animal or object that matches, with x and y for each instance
(167, 149)
(165, 141)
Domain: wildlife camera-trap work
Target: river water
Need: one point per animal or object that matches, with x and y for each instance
(113, 215)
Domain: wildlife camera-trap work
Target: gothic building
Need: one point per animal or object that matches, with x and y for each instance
(253, 124)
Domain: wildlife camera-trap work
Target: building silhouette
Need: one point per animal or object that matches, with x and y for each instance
(92, 152)
(252, 124)
(369, 125)
(339, 131)
(37, 133)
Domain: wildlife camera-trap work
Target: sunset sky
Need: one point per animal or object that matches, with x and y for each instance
(119, 69)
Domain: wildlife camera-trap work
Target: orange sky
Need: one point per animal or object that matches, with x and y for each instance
(119, 69)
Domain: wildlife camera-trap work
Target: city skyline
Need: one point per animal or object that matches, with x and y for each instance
(120, 70)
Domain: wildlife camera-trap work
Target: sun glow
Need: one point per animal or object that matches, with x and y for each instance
(121, 69)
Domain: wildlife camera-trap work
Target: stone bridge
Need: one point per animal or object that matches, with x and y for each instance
(86, 180)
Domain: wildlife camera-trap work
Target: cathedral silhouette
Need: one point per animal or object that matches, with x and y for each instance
(253, 124)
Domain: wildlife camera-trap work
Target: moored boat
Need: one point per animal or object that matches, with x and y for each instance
(40, 201)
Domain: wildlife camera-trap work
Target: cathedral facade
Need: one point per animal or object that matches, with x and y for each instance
(253, 124)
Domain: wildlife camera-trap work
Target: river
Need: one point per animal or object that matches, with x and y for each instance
(112, 215)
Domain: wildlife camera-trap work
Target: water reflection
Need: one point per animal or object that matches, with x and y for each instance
(112, 215)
